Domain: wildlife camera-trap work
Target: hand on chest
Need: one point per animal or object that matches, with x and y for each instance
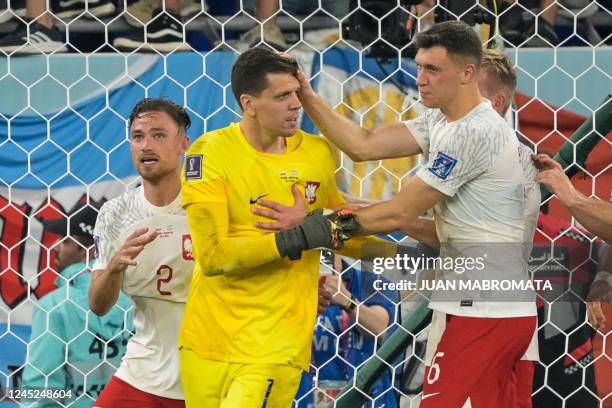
(274, 183)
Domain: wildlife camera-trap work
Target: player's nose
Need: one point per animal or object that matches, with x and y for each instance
(294, 103)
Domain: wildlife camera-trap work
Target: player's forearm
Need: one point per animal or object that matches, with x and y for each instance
(423, 230)
(350, 199)
(104, 290)
(235, 255)
(384, 218)
(215, 252)
(594, 214)
(372, 320)
(341, 131)
(414, 199)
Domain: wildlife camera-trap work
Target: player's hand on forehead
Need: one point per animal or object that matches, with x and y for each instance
(301, 75)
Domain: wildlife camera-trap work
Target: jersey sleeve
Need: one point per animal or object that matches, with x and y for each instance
(205, 199)
(457, 160)
(215, 252)
(419, 128)
(203, 178)
(103, 238)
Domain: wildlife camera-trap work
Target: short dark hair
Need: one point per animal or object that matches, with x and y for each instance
(174, 110)
(250, 70)
(456, 37)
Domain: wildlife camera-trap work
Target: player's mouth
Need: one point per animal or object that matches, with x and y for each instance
(292, 121)
(148, 161)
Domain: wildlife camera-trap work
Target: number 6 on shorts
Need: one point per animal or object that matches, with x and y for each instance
(434, 370)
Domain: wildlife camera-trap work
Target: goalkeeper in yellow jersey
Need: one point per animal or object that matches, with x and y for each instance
(247, 330)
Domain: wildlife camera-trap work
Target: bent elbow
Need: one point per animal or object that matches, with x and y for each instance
(357, 155)
(97, 310)
(210, 272)
(214, 260)
(211, 266)
(218, 269)
(363, 150)
(96, 307)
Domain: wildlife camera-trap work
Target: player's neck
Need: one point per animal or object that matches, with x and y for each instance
(162, 192)
(462, 104)
(260, 139)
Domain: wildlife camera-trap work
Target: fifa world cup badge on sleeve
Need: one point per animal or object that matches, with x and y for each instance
(442, 165)
(193, 167)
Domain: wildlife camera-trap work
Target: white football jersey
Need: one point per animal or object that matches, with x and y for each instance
(475, 162)
(158, 285)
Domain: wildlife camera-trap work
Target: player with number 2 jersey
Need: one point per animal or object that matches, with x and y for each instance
(144, 249)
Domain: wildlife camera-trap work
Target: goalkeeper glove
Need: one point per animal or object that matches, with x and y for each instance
(316, 231)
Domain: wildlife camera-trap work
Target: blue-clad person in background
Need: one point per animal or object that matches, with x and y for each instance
(72, 350)
(377, 312)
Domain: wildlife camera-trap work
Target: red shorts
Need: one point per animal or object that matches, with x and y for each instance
(118, 393)
(477, 363)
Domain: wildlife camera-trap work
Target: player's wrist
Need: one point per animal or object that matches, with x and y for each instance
(349, 304)
(316, 231)
(115, 266)
(572, 200)
(307, 92)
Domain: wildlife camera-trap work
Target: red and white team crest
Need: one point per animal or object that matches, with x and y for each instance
(187, 247)
(311, 191)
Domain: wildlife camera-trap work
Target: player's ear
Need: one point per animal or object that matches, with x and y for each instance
(499, 102)
(184, 142)
(246, 101)
(469, 73)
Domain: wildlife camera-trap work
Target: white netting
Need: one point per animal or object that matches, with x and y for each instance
(64, 141)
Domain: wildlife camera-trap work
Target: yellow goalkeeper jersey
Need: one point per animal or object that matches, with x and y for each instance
(246, 304)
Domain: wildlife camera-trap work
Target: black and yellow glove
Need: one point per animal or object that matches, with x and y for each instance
(316, 231)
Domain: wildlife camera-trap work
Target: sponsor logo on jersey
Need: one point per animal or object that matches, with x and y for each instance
(165, 231)
(187, 247)
(193, 167)
(251, 201)
(310, 192)
(442, 165)
(290, 177)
